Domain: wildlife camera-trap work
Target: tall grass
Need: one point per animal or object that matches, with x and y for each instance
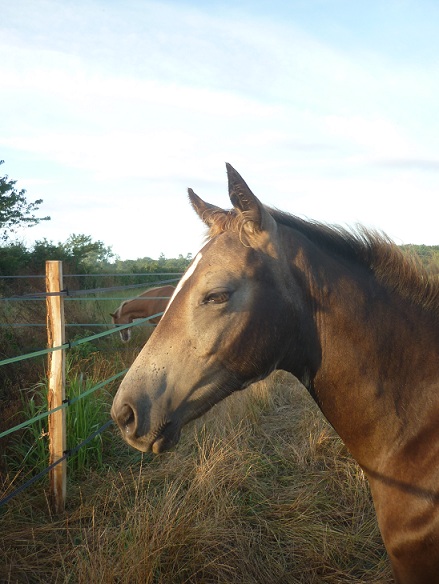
(27, 453)
(259, 491)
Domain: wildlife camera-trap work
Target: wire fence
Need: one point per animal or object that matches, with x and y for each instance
(72, 293)
(68, 294)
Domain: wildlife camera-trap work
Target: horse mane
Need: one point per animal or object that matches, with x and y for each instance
(399, 271)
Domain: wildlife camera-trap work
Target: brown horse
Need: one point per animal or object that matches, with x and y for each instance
(151, 302)
(347, 313)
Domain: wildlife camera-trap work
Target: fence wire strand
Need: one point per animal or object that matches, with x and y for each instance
(76, 342)
(68, 293)
(67, 402)
(67, 454)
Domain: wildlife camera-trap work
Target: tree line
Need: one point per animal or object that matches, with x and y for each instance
(428, 254)
(80, 255)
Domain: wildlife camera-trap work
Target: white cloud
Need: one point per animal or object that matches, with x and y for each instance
(377, 136)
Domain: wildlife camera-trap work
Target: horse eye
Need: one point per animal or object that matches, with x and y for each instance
(217, 297)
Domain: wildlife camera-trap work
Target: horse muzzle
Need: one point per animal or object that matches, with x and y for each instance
(138, 433)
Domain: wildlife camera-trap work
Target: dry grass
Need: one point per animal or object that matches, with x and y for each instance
(259, 491)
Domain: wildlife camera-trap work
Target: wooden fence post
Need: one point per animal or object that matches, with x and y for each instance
(56, 386)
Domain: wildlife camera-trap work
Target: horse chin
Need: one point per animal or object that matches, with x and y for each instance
(165, 441)
(160, 442)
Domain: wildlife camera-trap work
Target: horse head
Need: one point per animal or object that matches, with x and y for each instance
(119, 319)
(227, 325)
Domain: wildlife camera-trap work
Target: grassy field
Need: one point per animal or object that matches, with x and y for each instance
(259, 491)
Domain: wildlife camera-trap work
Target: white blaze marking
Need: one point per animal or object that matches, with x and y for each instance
(184, 279)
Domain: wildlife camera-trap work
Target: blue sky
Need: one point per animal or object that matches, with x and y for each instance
(328, 108)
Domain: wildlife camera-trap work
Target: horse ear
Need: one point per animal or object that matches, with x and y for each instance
(112, 314)
(246, 202)
(204, 210)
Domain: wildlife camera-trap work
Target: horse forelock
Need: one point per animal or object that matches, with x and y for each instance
(399, 271)
(241, 223)
(221, 222)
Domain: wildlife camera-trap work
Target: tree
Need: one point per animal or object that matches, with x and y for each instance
(85, 252)
(14, 259)
(15, 210)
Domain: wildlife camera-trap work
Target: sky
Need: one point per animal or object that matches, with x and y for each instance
(110, 110)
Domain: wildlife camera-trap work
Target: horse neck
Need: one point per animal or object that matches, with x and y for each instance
(158, 291)
(149, 292)
(135, 308)
(377, 350)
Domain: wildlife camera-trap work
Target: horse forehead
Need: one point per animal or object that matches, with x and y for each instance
(220, 252)
(186, 276)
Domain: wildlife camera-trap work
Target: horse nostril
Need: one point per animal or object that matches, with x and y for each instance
(126, 419)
